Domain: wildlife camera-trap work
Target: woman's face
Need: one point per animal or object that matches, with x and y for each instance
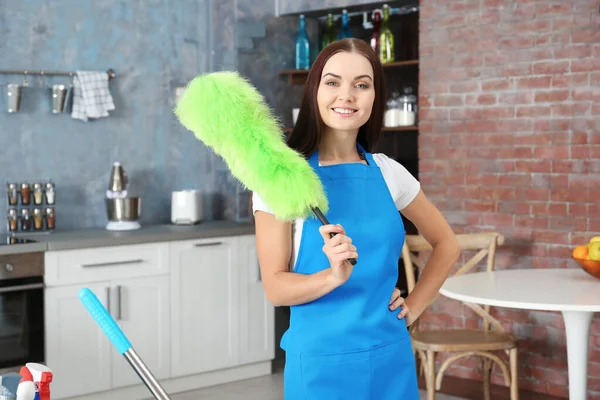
(346, 93)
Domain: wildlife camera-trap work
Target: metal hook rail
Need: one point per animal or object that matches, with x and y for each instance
(111, 73)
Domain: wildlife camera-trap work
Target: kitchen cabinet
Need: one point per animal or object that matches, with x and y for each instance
(79, 266)
(141, 308)
(78, 353)
(82, 359)
(192, 309)
(204, 306)
(257, 314)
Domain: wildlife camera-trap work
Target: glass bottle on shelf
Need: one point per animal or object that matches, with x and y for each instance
(392, 112)
(329, 35)
(407, 104)
(345, 31)
(386, 39)
(302, 46)
(376, 30)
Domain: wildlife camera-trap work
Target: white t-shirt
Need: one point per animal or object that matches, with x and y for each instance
(402, 186)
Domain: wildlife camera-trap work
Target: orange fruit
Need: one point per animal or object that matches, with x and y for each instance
(581, 252)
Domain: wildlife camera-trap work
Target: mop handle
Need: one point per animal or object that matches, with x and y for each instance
(324, 221)
(114, 333)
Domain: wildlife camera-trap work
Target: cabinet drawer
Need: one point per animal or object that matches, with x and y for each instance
(105, 263)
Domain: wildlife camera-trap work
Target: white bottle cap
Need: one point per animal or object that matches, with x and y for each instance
(36, 370)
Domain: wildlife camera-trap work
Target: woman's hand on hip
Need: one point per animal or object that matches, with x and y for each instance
(338, 250)
(396, 302)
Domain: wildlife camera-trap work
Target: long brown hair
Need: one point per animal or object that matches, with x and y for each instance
(307, 132)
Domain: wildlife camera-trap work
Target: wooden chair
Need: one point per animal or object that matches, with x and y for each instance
(462, 342)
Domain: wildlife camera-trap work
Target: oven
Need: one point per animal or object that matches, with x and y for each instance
(21, 310)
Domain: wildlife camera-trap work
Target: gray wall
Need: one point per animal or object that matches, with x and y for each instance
(154, 46)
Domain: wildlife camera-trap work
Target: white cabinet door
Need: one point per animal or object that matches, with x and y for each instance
(77, 350)
(257, 314)
(141, 308)
(204, 305)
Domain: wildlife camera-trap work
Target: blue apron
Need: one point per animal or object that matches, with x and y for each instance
(348, 344)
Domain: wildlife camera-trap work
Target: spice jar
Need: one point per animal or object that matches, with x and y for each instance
(13, 220)
(50, 218)
(38, 193)
(25, 194)
(25, 220)
(50, 193)
(13, 194)
(38, 219)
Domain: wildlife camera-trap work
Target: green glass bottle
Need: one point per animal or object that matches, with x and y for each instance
(329, 34)
(386, 39)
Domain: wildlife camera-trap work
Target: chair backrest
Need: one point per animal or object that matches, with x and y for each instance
(484, 243)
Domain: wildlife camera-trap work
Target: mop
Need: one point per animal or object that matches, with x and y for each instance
(229, 115)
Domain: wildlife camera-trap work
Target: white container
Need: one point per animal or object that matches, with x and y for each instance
(396, 117)
(186, 207)
(401, 110)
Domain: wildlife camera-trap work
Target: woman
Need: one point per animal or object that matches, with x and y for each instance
(348, 336)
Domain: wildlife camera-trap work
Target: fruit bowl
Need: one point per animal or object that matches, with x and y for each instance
(592, 267)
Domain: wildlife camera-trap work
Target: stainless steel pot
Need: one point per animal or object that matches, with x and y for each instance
(125, 209)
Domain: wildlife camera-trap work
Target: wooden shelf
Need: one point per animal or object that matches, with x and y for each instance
(396, 129)
(401, 129)
(295, 76)
(396, 64)
(298, 76)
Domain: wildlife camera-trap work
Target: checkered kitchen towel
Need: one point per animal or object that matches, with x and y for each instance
(91, 96)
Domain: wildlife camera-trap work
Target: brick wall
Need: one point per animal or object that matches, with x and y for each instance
(510, 141)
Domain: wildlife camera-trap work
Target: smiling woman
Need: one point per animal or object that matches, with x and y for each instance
(348, 334)
(351, 69)
(345, 100)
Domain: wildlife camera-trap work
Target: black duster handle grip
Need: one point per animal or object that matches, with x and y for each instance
(324, 221)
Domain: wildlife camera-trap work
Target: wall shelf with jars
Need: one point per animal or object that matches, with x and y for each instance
(30, 208)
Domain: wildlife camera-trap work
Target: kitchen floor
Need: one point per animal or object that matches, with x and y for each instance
(263, 388)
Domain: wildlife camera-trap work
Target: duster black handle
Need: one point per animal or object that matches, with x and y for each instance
(324, 221)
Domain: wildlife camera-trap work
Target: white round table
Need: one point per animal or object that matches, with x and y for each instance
(573, 292)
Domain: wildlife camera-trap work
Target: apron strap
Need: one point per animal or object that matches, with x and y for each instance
(313, 159)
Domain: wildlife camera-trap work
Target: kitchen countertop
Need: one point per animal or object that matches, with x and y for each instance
(89, 238)
(22, 248)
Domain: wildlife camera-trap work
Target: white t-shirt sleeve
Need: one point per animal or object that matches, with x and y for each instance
(259, 204)
(402, 185)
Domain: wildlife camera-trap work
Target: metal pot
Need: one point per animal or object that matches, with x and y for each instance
(125, 209)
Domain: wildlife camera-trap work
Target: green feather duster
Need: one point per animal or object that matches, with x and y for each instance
(229, 115)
